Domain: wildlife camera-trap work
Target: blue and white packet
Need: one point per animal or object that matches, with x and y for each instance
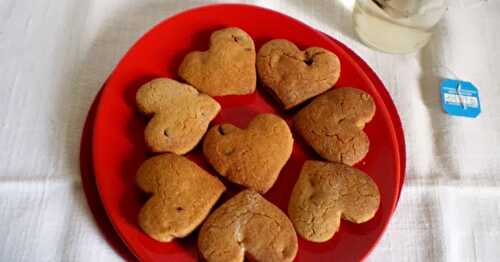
(460, 98)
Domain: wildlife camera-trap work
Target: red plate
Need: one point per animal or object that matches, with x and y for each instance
(90, 189)
(118, 145)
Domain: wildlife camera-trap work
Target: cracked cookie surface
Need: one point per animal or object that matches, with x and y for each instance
(293, 75)
(182, 196)
(332, 124)
(180, 115)
(252, 157)
(247, 226)
(226, 68)
(325, 193)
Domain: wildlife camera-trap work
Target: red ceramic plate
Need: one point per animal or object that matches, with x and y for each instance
(119, 149)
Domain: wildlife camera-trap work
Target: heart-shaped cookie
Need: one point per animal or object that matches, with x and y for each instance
(247, 226)
(182, 196)
(333, 124)
(227, 68)
(251, 157)
(325, 193)
(180, 115)
(292, 75)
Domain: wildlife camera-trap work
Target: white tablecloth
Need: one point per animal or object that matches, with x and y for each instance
(54, 55)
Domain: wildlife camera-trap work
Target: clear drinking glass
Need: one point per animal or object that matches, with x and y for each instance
(397, 26)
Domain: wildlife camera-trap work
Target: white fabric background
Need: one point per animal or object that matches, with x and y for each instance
(54, 55)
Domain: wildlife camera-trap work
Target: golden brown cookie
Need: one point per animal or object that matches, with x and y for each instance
(182, 196)
(247, 226)
(252, 157)
(325, 193)
(227, 68)
(333, 124)
(180, 115)
(293, 75)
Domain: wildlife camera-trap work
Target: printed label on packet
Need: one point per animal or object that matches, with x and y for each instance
(460, 98)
